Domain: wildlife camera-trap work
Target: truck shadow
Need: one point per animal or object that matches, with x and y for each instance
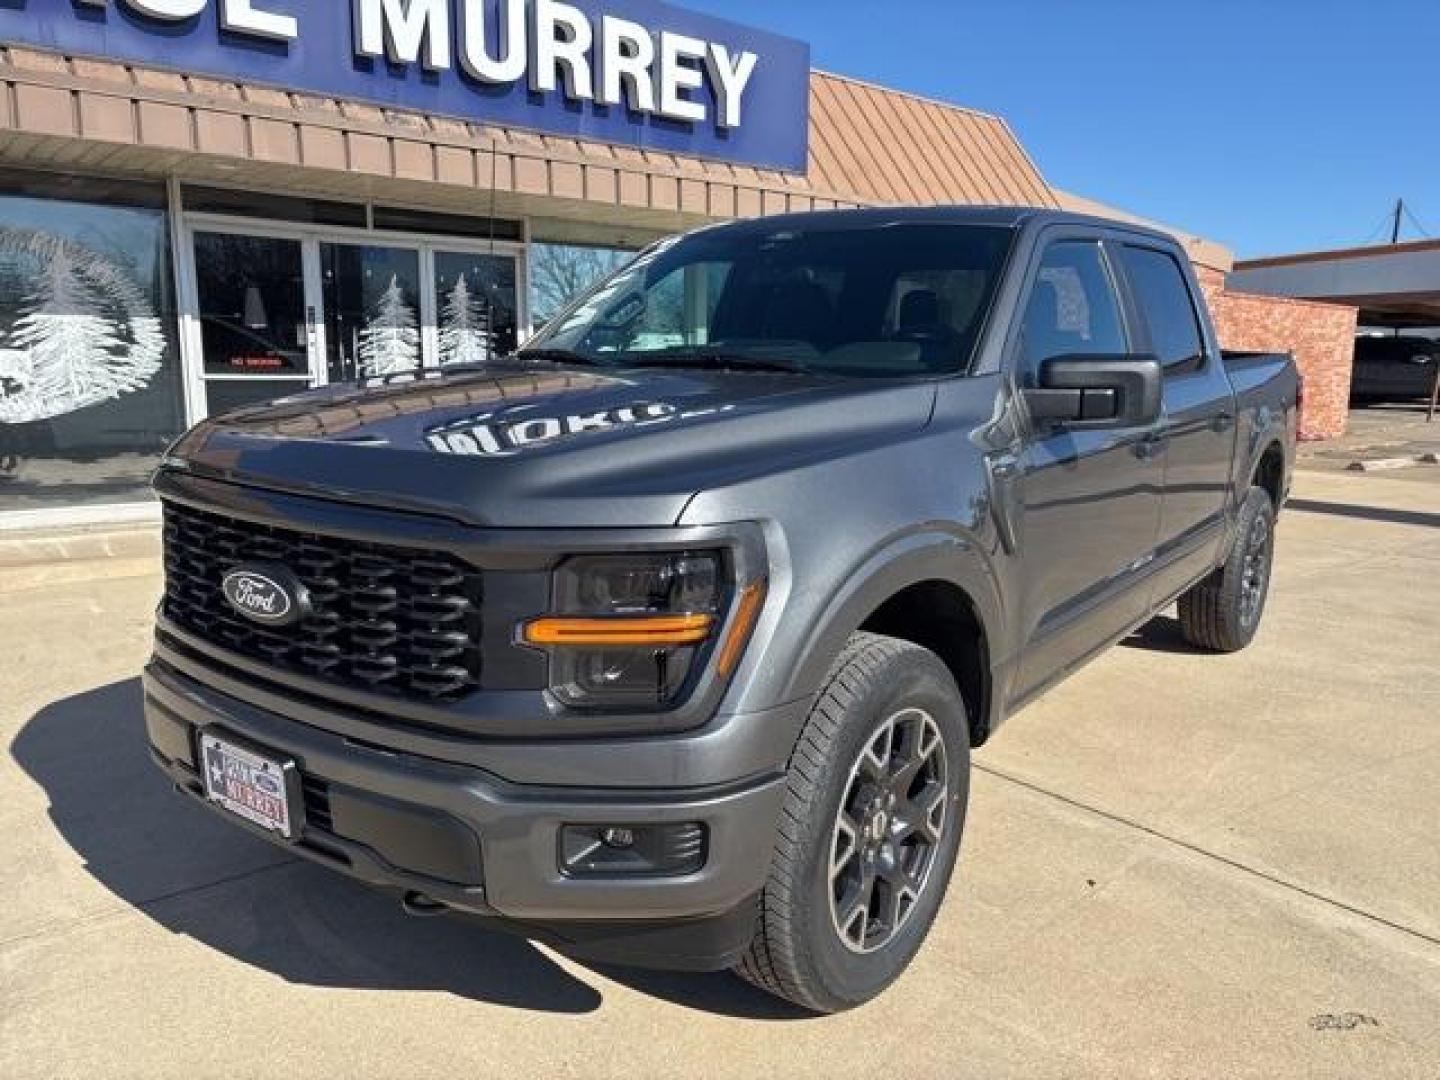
(1160, 634)
(194, 875)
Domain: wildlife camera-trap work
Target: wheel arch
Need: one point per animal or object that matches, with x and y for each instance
(934, 591)
(1269, 472)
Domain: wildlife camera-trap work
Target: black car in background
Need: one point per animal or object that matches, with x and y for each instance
(1394, 368)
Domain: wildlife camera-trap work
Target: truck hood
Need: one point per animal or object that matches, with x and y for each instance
(544, 446)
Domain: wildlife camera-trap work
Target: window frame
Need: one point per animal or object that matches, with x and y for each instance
(1179, 369)
(1020, 367)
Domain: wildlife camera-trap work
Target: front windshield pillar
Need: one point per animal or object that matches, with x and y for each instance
(698, 305)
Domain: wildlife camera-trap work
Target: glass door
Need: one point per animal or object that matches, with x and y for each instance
(269, 309)
(477, 306)
(255, 325)
(372, 303)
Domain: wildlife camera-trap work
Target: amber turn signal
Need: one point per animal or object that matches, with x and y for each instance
(620, 630)
(752, 597)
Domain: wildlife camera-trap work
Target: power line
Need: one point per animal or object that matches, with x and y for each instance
(1416, 222)
(1379, 230)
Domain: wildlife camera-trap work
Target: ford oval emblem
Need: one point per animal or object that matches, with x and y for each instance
(269, 595)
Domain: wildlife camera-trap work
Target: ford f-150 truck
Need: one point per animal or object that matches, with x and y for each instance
(667, 639)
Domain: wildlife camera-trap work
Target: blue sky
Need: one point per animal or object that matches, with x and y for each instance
(1269, 125)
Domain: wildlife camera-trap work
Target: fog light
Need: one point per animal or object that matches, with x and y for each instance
(632, 850)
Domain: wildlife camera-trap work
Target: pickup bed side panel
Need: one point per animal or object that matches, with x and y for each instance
(1266, 389)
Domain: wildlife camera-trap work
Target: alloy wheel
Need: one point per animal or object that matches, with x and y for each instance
(888, 830)
(1256, 573)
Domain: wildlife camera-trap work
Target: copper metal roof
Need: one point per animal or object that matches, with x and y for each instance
(884, 146)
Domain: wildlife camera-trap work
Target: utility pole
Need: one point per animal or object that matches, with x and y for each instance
(1395, 228)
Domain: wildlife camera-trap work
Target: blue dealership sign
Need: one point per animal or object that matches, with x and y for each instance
(637, 72)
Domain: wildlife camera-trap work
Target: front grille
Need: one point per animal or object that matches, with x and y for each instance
(392, 620)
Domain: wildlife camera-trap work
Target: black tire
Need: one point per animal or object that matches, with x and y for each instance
(1223, 612)
(800, 951)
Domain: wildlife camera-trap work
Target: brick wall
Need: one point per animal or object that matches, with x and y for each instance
(1322, 337)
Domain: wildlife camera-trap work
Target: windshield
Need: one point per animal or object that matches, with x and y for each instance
(897, 300)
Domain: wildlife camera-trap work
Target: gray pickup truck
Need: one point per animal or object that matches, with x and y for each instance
(667, 639)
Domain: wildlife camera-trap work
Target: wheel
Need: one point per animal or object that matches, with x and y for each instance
(869, 831)
(1222, 613)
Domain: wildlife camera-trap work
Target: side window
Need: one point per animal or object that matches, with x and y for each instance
(1164, 299)
(1072, 307)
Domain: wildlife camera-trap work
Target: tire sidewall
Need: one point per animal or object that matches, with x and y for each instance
(913, 679)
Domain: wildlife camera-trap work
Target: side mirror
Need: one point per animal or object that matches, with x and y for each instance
(1097, 391)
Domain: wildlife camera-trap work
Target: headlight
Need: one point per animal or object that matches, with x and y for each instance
(629, 631)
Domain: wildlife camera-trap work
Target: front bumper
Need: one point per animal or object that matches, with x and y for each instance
(472, 840)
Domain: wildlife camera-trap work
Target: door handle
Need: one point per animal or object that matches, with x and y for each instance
(1223, 422)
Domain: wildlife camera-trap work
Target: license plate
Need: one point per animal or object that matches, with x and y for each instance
(246, 783)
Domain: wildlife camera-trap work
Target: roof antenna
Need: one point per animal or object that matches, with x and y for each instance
(491, 287)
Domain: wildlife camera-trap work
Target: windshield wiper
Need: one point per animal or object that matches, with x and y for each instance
(560, 356)
(705, 358)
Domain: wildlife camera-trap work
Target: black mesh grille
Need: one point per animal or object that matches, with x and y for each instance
(387, 619)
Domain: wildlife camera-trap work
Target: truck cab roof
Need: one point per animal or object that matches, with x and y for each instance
(1014, 217)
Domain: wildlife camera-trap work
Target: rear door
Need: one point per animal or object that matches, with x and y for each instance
(1197, 433)
(1090, 498)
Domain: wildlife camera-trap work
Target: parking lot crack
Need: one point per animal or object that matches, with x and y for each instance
(1206, 853)
(62, 926)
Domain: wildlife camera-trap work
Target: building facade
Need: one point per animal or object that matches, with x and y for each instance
(205, 203)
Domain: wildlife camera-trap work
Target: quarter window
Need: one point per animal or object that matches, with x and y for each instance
(1164, 298)
(1073, 308)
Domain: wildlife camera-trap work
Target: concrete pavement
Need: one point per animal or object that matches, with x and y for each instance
(1177, 865)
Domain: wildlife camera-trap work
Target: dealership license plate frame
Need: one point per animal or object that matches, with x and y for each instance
(251, 761)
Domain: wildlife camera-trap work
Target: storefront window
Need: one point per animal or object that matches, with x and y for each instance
(252, 318)
(372, 310)
(90, 386)
(561, 272)
(475, 298)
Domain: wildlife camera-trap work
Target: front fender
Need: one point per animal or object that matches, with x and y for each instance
(932, 554)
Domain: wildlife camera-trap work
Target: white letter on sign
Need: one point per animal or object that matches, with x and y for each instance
(730, 74)
(170, 10)
(627, 52)
(561, 38)
(398, 29)
(508, 63)
(242, 17)
(676, 77)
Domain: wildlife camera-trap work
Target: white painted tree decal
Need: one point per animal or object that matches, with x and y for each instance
(390, 342)
(86, 332)
(464, 327)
